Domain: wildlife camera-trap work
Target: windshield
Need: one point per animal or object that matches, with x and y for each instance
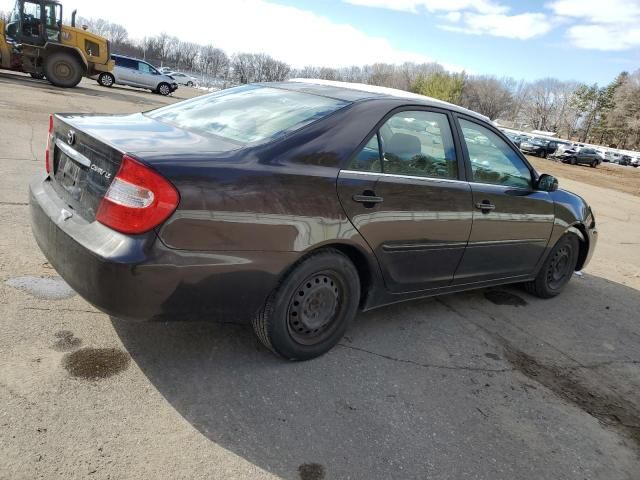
(250, 113)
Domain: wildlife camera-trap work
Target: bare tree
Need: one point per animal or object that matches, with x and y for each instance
(487, 95)
(217, 61)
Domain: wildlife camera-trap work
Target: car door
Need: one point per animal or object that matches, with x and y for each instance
(147, 75)
(404, 194)
(512, 221)
(125, 71)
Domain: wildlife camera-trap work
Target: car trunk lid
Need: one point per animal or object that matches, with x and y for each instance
(87, 151)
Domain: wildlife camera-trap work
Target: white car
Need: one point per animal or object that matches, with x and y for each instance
(183, 79)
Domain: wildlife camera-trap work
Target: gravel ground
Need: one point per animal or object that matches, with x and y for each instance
(492, 384)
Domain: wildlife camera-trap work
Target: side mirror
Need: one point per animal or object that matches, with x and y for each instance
(547, 183)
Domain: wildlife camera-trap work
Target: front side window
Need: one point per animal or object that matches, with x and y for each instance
(250, 113)
(145, 67)
(492, 159)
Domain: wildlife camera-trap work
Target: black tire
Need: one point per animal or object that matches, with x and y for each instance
(189, 84)
(594, 164)
(106, 79)
(572, 160)
(63, 69)
(164, 89)
(310, 310)
(544, 154)
(37, 76)
(557, 268)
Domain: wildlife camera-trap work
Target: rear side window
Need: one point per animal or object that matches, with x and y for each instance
(492, 159)
(415, 143)
(126, 62)
(250, 113)
(368, 159)
(418, 143)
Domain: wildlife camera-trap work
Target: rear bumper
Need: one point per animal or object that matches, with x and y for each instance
(138, 278)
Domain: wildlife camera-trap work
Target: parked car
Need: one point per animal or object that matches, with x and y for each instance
(635, 162)
(183, 78)
(624, 160)
(539, 147)
(165, 70)
(293, 205)
(137, 73)
(584, 155)
(516, 138)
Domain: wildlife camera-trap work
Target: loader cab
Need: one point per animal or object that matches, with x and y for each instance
(35, 22)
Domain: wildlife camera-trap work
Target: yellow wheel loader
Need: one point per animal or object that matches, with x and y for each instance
(35, 41)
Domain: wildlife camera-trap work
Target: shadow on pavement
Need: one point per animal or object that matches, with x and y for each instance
(417, 390)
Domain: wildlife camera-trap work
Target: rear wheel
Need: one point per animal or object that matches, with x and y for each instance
(164, 89)
(106, 79)
(309, 312)
(557, 268)
(544, 154)
(572, 160)
(63, 69)
(190, 84)
(594, 164)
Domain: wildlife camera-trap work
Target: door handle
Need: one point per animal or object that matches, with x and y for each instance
(485, 206)
(368, 198)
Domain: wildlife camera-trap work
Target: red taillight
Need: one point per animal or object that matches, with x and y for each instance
(137, 200)
(47, 161)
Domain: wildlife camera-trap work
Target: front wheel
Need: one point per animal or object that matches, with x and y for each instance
(164, 89)
(309, 312)
(557, 268)
(594, 164)
(572, 160)
(106, 79)
(63, 69)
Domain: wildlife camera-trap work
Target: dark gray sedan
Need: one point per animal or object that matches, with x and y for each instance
(294, 205)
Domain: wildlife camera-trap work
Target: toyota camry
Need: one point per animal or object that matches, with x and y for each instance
(295, 205)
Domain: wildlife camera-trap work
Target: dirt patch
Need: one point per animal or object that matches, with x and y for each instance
(608, 408)
(311, 471)
(615, 177)
(66, 341)
(502, 297)
(96, 363)
(46, 288)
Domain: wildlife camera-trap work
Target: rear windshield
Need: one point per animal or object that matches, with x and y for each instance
(248, 114)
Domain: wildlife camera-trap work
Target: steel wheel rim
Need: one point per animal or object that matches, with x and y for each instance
(315, 307)
(559, 268)
(63, 70)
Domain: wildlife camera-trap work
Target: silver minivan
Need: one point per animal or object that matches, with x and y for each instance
(137, 73)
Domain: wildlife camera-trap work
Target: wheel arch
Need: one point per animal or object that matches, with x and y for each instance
(580, 231)
(361, 260)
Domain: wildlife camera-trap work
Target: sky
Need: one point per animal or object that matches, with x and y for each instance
(584, 40)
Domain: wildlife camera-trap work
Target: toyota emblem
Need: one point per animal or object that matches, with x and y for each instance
(71, 137)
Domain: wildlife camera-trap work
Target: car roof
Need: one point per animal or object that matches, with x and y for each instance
(359, 91)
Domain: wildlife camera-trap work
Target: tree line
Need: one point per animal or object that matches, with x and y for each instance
(606, 115)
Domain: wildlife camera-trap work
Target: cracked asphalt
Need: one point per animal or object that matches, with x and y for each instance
(491, 384)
